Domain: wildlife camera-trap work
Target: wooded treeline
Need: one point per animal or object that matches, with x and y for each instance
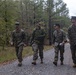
(29, 13)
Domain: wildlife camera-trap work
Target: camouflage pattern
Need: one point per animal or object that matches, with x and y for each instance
(18, 39)
(37, 48)
(72, 34)
(19, 52)
(37, 41)
(58, 38)
(38, 36)
(72, 38)
(57, 50)
(73, 52)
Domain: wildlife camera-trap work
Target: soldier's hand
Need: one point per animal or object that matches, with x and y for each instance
(25, 45)
(30, 43)
(11, 43)
(61, 44)
(53, 45)
(68, 41)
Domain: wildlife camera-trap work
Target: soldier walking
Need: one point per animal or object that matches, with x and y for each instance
(72, 39)
(18, 40)
(59, 39)
(37, 41)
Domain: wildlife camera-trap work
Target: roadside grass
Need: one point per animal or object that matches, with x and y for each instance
(9, 55)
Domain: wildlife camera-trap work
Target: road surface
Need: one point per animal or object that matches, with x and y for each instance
(41, 69)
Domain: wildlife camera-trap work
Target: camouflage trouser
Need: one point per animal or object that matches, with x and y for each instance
(73, 51)
(37, 48)
(57, 50)
(19, 52)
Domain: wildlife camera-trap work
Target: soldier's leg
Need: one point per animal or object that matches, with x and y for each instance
(35, 54)
(75, 55)
(56, 55)
(20, 53)
(61, 54)
(73, 51)
(16, 49)
(41, 52)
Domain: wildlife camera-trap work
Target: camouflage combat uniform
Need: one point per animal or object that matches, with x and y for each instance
(72, 38)
(58, 38)
(37, 41)
(18, 39)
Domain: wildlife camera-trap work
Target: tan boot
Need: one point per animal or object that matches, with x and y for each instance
(20, 64)
(55, 63)
(62, 63)
(34, 62)
(74, 65)
(41, 61)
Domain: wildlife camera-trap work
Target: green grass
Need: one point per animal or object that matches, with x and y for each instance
(9, 53)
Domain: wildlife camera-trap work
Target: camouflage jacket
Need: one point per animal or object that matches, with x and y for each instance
(72, 34)
(38, 36)
(59, 36)
(18, 38)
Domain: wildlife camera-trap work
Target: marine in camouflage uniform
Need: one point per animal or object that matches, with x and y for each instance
(18, 40)
(59, 38)
(37, 42)
(72, 39)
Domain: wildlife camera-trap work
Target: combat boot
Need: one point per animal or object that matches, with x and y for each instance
(74, 65)
(20, 64)
(34, 62)
(41, 61)
(55, 63)
(62, 63)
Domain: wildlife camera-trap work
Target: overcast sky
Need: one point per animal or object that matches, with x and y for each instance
(71, 4)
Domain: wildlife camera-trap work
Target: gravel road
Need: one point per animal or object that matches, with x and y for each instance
(41, 69)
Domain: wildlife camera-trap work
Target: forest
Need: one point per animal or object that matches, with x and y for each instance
(29, 13)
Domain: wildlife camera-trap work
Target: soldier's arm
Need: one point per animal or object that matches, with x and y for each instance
(43, 34)
(53, 37)
(64, 37)
(24, 37)
(12, 38)
(69, 34)
(32, 37)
